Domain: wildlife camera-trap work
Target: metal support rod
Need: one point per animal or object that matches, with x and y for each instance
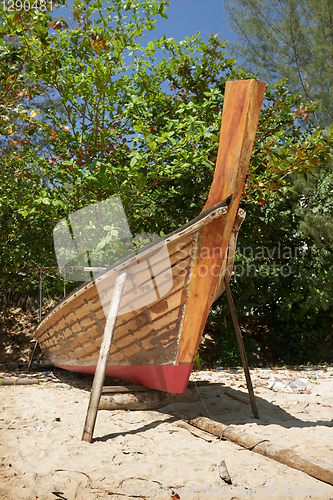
(241, 348)
(104, 353)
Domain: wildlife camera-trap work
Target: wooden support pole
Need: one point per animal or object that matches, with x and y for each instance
(286, 456)
(32, 356)
(104, 353)
(241, 348)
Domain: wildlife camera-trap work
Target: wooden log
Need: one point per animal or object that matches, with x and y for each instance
(39, 366)
(286, 456)
(143, 400)
(104, 354)
(18, 381)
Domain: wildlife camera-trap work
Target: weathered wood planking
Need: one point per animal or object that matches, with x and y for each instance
(92, 300)
(80, 327)
(150, 330)
(175, 243)
(178, 251)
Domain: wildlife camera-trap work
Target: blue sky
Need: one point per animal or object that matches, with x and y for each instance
(187, 17)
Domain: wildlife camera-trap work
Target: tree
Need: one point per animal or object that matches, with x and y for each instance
(291, 314)
(287, 38)
(28, 209)
(119, 133)
(142, 120)
(316, 209)
(138, 121)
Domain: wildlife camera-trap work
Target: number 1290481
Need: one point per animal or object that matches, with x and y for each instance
(27, 5)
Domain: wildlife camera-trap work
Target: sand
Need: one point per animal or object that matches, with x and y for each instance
(153, 454)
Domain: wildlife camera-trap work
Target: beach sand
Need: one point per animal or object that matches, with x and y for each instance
(154, 454)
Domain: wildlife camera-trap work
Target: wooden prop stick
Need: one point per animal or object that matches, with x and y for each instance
(104, 353)
(32, 356)
(286, 456)
(241, 348)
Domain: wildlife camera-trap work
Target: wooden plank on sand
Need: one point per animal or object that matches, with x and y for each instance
(286, 456)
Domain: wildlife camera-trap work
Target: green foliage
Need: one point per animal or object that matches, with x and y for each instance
(124, 122)
(286, 38)
(316, 209)
(28, 212)
(197, 361)
(282, 286)
(283, 147)
(120, 130)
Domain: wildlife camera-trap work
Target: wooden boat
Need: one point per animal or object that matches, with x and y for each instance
(170, 283)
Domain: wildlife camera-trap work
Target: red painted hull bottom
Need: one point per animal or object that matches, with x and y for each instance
(166, 378)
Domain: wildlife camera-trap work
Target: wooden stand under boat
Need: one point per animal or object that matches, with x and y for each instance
(170, 284)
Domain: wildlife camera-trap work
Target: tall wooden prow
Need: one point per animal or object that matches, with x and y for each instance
(236, 141)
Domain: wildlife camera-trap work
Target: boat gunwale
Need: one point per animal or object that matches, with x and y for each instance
(193, 226)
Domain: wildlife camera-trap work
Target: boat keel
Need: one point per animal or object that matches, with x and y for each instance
(166, 378)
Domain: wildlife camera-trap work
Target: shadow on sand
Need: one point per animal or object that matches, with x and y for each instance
(213, 402)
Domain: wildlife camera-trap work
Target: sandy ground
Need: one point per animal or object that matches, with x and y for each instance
(153, 454)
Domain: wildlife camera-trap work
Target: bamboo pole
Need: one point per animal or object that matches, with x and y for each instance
(286, 456)
(18, 381)
(241, 348)
(103, 357)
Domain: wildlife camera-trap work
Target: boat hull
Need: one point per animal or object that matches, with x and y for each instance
(149, 323)
(167, 378)
(171, 285)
